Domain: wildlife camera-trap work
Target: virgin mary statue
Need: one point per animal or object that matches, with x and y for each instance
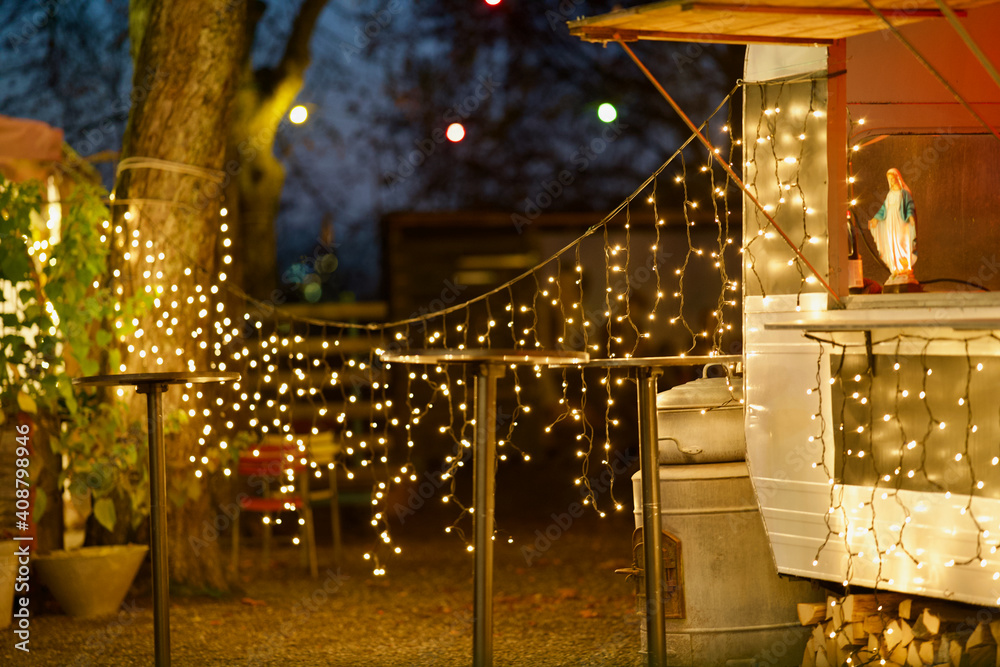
(895, 230)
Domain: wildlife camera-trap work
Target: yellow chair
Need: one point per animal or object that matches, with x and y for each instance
(322, 452)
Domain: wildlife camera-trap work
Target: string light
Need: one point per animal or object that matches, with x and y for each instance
(326, 377)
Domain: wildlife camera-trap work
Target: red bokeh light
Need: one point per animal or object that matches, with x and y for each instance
(455, 131)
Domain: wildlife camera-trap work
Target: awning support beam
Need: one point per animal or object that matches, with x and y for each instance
(952, 18)
(732, 174)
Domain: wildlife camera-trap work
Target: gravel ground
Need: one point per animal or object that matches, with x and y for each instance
(565, 607)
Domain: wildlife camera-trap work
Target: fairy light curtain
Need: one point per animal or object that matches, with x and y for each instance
(661, 251)
(912, 414)
(784, 158)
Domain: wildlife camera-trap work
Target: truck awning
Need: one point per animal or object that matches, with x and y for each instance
(806, 22)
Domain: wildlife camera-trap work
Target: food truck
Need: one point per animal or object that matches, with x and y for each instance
(870, 161)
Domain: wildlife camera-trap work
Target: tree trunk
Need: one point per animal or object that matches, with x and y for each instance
(258, 188)
(191, 51)
(262, 102)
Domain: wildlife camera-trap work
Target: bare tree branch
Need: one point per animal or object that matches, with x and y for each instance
(295, 60)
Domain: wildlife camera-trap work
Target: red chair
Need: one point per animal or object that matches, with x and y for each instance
(269, 464)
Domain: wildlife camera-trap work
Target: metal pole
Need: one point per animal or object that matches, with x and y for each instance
(158, 523)
(484, 480)
(652, 538)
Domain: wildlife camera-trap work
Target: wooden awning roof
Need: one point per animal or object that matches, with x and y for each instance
(809, 22)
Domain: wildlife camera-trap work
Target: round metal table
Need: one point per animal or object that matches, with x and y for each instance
(491, 367)
(153, 385)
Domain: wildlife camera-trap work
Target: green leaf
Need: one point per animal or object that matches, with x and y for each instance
(130, 455)
(89, 366)
(46, 345)
(194, 488)
(41, 502)
(14, 266)
(103, 337)
(65, 390)
(54, 290)
(92, 307)
(104, 512)
(49, 394)
(13, 339)
(33, 312)
(26, 403)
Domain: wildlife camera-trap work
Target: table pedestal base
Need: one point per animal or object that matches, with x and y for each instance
(158, 521)
(652, 537)
(491, 364)
(484, 481)
(153, 385)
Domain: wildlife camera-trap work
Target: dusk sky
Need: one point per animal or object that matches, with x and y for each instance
(525, 90)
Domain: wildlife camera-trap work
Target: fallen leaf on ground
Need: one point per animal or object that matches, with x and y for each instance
(589, 613)
(253, 603)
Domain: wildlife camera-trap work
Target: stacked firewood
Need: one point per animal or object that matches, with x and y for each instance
(899, 630)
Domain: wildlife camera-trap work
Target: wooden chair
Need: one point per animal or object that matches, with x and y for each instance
(322, 450)
(276, 463)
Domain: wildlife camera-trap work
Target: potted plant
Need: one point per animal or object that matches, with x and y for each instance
(56, 326)
(106, 480)
(106, 475)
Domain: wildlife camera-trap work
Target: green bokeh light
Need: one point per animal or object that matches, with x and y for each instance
(607, 112)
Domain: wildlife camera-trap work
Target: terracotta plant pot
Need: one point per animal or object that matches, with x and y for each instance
(91, 581)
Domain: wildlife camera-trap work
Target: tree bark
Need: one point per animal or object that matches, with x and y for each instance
(191, 51)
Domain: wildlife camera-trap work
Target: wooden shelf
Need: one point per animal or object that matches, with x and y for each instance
(958, 311)
(847, 321)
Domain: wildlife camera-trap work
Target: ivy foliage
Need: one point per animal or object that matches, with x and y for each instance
(61, 320)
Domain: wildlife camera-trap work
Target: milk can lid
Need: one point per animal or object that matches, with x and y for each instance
(703, 393)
